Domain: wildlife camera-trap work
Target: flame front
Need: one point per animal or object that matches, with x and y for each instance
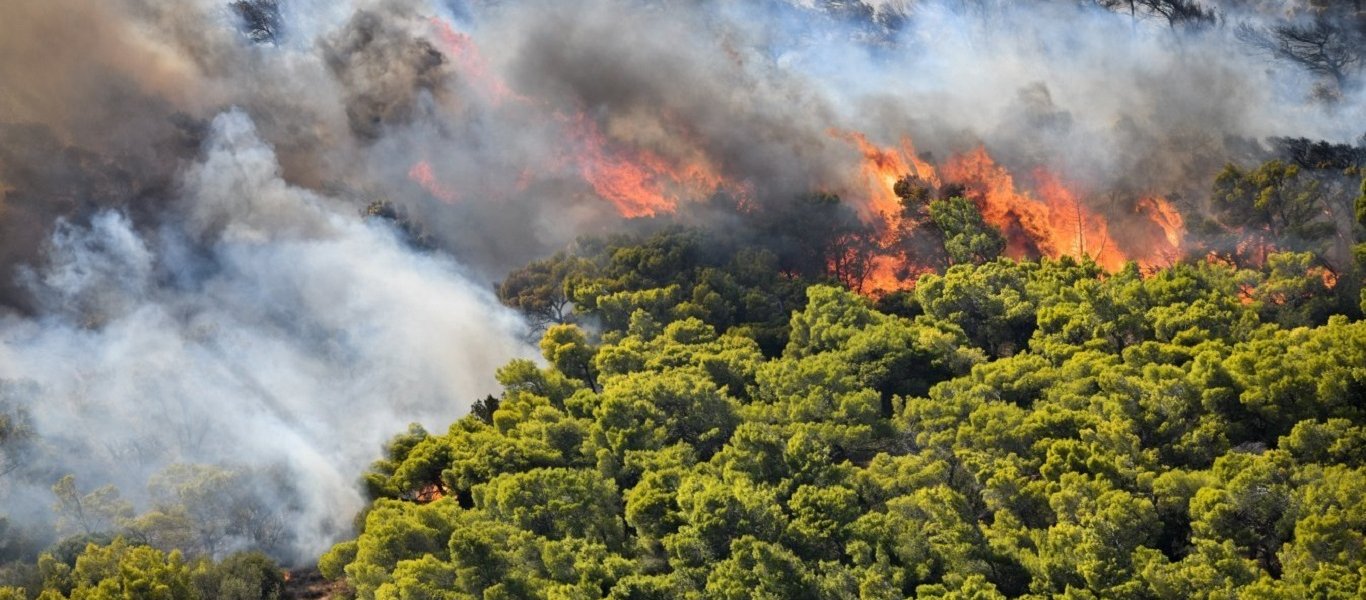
(1051, 220)
(641, 177)
(1073, 229)
(470, 63)
(421, 173)
(639, 181)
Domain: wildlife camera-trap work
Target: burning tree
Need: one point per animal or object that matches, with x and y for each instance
(1268, 207)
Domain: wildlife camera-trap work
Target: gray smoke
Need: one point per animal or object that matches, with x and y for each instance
(186, 278)
(272, 327)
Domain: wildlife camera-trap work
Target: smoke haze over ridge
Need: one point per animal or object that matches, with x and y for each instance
(186, 278)
(298, 337)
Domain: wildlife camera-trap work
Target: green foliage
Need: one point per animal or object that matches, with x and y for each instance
(1301, 207)
(1361, 205)
(241, 576)
(1035, 429)
(1295, 291)
(674, 274)
(990, 303)
(567, 349)
(967, 238)
(555, 503)
(1359, 250)
(120, 569)
(194, 515)
(1273, 202)
(201, 510)
(98, 511)
(540, 289)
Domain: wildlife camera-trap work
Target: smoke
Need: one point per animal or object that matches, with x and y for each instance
(186, 277)
(270, 328)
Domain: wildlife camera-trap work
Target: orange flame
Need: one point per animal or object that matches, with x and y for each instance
(1052, 222)
(639, 181)
(1073, 230)
(886, 274)
(629, 183)
(1161, 214)
(1165, 216)
(460, 48)
(642, 179)
(881, 169)
(422, 174)
(1024, 222)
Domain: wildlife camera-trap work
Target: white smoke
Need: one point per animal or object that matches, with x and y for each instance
(276, 329)
(213, 296)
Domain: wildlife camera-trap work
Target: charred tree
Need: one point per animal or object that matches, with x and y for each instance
(1330, 43)
(260, 19)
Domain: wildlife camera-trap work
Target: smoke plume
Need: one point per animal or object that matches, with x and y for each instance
(185, 276)
(270, 327)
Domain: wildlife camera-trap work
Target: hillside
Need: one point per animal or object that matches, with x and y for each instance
(1020, 429)
(814, 299)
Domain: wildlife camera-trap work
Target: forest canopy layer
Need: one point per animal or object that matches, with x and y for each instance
(767, 299)
(1006, 429)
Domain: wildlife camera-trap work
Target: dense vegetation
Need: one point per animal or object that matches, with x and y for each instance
(1004, 429)
(119, 569)
(187, 545)
(716, 418)
(1021, 428)
(719, 411)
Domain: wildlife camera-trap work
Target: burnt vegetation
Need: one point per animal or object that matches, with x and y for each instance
(1330, 40)
(261, 20)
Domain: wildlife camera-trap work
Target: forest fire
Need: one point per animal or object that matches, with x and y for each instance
(639, 183)
(1053, 221)
(460, 49)
(421, 173)
(1168, 220)
(1050, 218)
(1072, 229)
(1039, 214)
(1165, 216)
(882, 168)
(621, 299)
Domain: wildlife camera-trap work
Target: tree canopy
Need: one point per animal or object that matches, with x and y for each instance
(1027, 429)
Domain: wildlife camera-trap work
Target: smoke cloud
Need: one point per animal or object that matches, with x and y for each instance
(185, 276)
(269, 328)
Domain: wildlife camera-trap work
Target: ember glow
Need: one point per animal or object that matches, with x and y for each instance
(461, 50)
(292, 211)
(1050, 219)
(1039, 212)
(422, 174)
(641, 182)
